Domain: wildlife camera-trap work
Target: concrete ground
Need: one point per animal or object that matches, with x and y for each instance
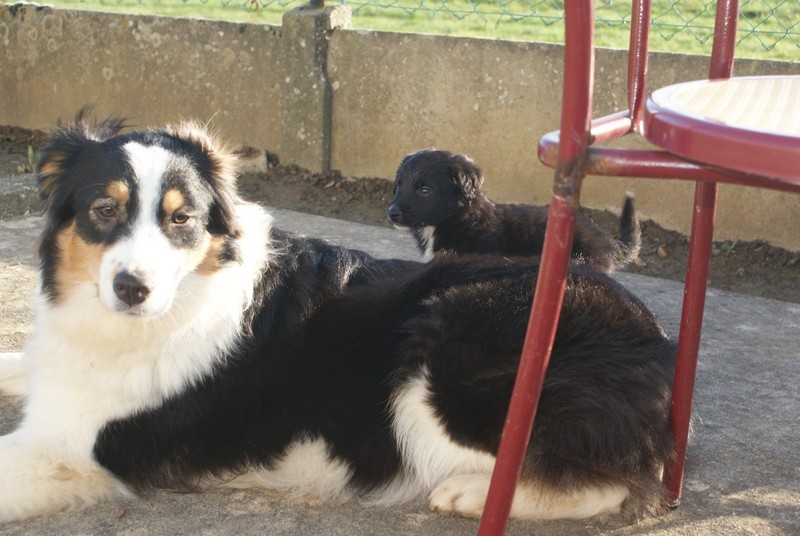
(743, 468)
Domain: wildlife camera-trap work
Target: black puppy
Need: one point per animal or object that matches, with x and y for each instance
(438, 196)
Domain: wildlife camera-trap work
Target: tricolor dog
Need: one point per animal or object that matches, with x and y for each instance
(181, 341)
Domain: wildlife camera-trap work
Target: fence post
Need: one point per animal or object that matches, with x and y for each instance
(306, 96)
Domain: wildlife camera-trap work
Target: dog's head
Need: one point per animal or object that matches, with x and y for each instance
(128, 216)
(432, 186)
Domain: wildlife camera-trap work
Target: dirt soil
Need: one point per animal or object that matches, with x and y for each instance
(754, 268)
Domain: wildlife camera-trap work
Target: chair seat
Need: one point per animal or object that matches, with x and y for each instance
(750, 124)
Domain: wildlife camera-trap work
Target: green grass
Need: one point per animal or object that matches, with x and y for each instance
(232, 10)
(679, 26)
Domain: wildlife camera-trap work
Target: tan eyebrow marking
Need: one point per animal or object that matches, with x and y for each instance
(119, 191)
(172, 201)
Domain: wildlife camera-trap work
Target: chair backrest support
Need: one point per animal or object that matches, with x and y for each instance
(576, 110)
(727, 18)
(637, 61)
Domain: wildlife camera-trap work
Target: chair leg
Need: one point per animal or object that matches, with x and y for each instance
(705, 203)
(535, 357)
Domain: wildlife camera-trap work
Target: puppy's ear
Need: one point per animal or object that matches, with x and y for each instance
(406, 166)
(406, 158)
(469, 177)
(221, 170)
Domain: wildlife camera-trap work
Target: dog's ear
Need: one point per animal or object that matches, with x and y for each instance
(403, 169)
(468, 176)
(406, 158)
(52, 163)
(59, 152)
(63, 146)
(222, 219)
(220, 170)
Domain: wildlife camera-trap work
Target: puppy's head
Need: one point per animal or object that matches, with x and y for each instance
(128, 216)
(432, 186)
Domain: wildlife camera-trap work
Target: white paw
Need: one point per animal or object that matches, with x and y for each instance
(464, 495)
(36, 480)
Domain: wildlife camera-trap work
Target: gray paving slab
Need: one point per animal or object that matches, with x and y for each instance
(743, 469)
(18, 196)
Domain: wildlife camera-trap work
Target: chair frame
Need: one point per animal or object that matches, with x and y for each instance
(574, 152)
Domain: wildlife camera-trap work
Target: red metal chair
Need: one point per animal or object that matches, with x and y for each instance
(694, 143)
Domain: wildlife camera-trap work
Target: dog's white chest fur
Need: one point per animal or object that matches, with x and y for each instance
(426, 238)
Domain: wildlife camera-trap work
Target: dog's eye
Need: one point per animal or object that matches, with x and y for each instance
(424, 191)
(106, 211)
(180, 219)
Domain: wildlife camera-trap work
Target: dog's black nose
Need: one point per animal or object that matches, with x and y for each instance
(130, 289)
(393, 213)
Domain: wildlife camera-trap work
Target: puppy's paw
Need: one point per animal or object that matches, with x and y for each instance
(12, 375)
(464, 495)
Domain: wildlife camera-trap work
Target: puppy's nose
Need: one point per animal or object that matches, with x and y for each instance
(130, 289)
(393, 213)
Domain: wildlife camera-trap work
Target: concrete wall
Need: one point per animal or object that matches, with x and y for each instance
(356, 101)
(151, 69)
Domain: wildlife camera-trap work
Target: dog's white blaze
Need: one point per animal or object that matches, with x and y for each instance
(146, 253)
(306, 469)
(428, 452)
(149, 165)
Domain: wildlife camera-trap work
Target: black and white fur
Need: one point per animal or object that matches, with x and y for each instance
(181, 341)
(438, 196)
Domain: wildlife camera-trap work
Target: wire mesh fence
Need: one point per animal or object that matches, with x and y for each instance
(764, 24)
(768, 29)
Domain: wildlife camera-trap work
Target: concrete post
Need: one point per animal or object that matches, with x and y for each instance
(306, 98)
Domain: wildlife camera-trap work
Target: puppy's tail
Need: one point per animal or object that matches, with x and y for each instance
(630, 233)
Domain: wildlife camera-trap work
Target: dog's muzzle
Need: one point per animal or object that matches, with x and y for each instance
(395, 216)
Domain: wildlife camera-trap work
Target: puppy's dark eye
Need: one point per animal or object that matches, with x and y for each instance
(424, 191)
(180, 219)
(106, 211)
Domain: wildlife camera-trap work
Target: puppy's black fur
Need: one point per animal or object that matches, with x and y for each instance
(438, 196)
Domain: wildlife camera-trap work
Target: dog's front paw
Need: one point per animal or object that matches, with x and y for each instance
(36, 479)
(464, 495)
(12, 375)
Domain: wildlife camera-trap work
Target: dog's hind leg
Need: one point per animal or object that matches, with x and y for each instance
(36, 480)
(12, 375)
(465, 495)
